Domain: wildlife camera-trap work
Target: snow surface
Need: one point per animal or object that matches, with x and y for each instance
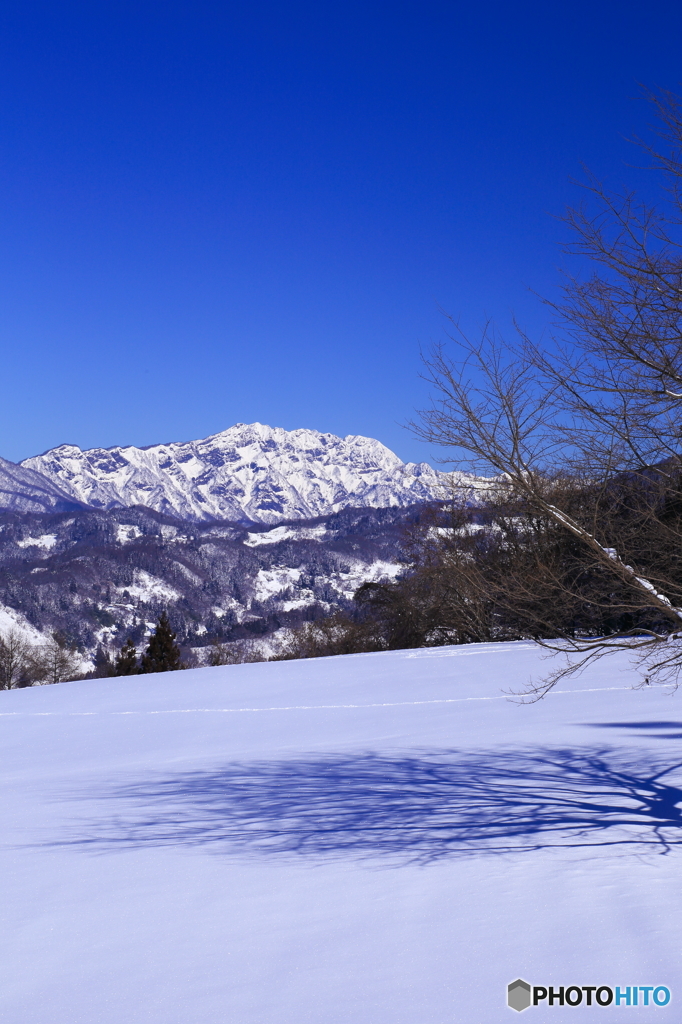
(373, 839)
(125, 533)
(147, 587)
(12, 621)
(280, 533)
(284, 584)
(46, 541)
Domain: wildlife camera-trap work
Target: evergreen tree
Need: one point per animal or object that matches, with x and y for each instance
(103, 664)
(126, 660)
(162, 654)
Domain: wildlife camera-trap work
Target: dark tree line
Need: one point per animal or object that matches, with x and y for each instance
(55, 660)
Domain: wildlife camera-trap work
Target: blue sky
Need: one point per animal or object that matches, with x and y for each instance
(218, 212)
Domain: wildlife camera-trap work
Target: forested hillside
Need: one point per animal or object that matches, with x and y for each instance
(97, 577)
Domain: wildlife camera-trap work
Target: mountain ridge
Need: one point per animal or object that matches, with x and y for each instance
(249, 472)
(23, 489)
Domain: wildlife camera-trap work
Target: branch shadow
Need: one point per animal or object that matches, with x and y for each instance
(658, 730)
(424, 808)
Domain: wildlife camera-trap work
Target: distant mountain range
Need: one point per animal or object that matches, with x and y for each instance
(249, 473)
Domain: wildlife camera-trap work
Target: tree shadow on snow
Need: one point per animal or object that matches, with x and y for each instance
(423, 808)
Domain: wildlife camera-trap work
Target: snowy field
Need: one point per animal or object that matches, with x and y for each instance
(373, 839)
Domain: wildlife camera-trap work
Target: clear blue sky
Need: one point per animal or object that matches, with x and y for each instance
(221, 212)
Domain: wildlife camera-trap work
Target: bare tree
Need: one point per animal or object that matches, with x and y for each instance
(620, 364)
(15, 660)
(54, 661)
(587, 436)
(237, 652)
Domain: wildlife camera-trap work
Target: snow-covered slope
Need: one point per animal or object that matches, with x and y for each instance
(249, 472)
(12, 621)
(23, 489)
(374, 839)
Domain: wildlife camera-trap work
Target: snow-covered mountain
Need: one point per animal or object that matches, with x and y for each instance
(249, 472)
(22, 489)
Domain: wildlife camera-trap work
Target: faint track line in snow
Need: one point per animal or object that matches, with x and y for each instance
(459, 653)
(293, 707)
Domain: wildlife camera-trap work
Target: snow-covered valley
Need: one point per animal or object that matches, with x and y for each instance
(376, 839)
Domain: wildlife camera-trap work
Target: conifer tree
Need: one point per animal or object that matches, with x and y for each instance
(103, 664)
(162, 653)
(126, 660)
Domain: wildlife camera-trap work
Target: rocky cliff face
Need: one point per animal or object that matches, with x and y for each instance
(250, 473)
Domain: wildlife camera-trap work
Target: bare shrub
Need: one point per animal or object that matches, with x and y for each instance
(235, 653)
(335, 634)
